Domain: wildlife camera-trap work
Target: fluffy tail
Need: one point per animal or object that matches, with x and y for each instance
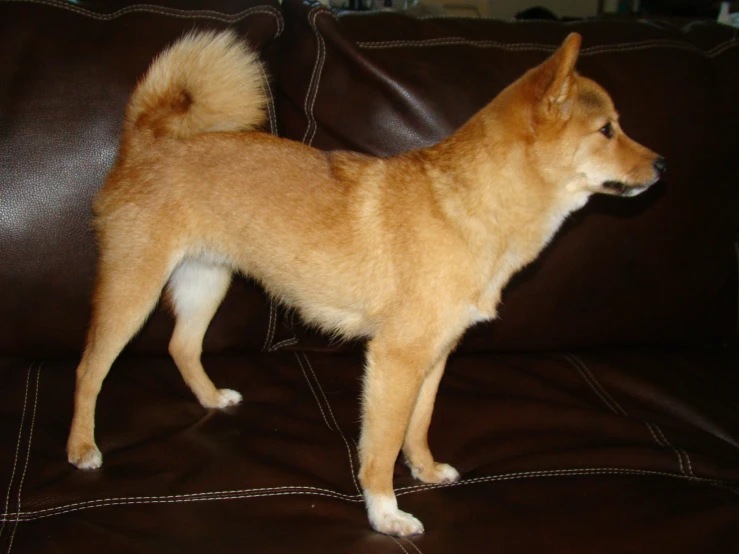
(205, 81)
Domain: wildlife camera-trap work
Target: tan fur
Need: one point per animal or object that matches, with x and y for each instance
(407, 251)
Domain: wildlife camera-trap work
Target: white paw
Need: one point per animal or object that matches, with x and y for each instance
(227, 397)
(385, 517)
(441, 473)
(85, 457)
(222, 399)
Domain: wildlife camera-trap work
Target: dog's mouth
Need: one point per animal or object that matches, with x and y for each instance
(619, 188)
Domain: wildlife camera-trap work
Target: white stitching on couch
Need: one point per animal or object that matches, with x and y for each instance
(656, 433)
(180, 14)
(336, 427)
(654, 429)
(721, 48)
(451, 41)
(415, 547)
(336, 424)
(584, 472)
(283, 343)
(536, 47)
(310, 385)
(189, 497)
(28, 456)
(315, 76)
(270, 327)
(31, 516)
(271, 104)
(269, 344)
(357, 498)
(17, 447)
(681, 453)
(590, 379)
(396, 541)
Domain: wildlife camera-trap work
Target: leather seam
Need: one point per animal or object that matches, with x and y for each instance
(683, 459)
(537, 47)
(270, 327)
(313, 391)
(412, 544)
(160, 10)
(283, 343)
(28, 457)
(17, 447)
(336, 426)
(400, 544)
(271, 110)
(354, 498)
(312, 92)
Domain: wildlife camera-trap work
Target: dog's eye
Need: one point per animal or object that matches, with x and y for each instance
(606, 130)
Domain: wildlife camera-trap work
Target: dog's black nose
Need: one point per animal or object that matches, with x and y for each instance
(660, 164)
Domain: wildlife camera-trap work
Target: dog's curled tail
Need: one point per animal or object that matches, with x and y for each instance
(204, 82)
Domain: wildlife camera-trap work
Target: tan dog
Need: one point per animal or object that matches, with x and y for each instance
(408, 251)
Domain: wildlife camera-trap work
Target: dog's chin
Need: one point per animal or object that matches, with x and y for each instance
(619, 188)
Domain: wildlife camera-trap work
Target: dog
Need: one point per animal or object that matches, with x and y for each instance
(407, 251)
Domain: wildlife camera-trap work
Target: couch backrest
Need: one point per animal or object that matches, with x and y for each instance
(661, 267)
(65, 76)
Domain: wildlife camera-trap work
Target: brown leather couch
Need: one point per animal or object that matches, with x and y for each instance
(600, 414)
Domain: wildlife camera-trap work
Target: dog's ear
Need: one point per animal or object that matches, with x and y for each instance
(555, 80)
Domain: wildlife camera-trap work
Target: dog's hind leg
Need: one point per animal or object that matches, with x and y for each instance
(196, 289)
(130, 281)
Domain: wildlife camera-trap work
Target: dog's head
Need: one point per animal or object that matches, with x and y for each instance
(574, 131)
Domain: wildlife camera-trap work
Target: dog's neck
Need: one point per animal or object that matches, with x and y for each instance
(500, 203)
(497, 193)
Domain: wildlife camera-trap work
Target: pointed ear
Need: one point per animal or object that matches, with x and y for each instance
(557, 79)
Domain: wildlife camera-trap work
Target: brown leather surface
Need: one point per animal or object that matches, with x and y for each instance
(578, 442)
(66, 75)
(618, 449)
(660, 267)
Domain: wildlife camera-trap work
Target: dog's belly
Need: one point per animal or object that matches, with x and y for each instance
(324, 307)
(343, 322)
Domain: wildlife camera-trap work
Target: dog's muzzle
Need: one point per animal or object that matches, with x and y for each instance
(660, 166)
(622, 189)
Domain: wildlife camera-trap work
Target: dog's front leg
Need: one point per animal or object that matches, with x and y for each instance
(393, 378)
(415, 446)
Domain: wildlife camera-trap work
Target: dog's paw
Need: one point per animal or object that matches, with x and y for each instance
(223, 399)
(85, 456)
(385, 517)
(397, 523)
(228, 397)
(436, 474)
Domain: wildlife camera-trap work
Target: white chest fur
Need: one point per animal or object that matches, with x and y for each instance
(515, 257)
